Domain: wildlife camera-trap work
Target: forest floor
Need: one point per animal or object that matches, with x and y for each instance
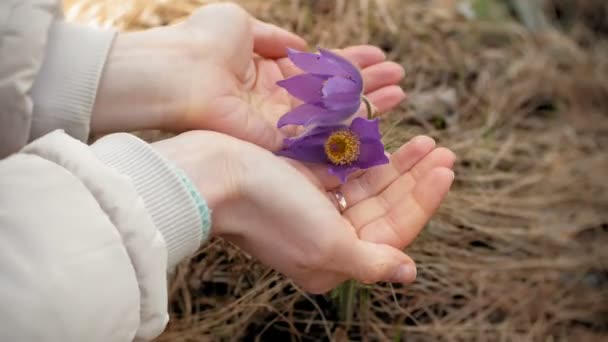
(517, 252)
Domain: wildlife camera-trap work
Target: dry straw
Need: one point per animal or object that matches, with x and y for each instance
(517, 252)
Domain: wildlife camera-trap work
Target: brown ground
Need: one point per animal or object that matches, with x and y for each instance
(518, 250)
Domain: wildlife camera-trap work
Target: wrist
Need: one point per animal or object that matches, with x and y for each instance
(140, 84)
(211, 164)
(169, 202)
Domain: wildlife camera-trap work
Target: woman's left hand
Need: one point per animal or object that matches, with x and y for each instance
(217, 71)
(278, 211)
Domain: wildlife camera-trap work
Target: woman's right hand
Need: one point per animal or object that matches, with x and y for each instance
(278, 211)
(217, 71)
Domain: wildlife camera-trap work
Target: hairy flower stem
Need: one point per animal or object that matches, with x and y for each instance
(345, 296)
(368, 106)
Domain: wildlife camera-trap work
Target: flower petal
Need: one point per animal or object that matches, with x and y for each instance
(332, 117)
(366, 129)
(347, 103)
(341, 85)
(348, 69)
(341, 172)
(306, 87)
(304, 114)
(305, 153)
(309, 146)
(340, 94)
(371, 153)
(314, 135)
(311, 62)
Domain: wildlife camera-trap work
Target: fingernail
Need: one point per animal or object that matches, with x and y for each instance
(423, 140)
(404, 274)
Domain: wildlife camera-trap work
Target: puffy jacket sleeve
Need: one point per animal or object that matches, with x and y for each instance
(86, 237)
(49, 72)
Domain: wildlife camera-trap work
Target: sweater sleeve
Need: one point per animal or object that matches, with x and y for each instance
(87, 236)
(177, 214)
(49, 72)
(65, 87)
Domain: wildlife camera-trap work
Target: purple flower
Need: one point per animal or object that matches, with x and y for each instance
(330, 88)
(343, 148)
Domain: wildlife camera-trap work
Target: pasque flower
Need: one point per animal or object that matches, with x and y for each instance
(343, 148)
(330, 87)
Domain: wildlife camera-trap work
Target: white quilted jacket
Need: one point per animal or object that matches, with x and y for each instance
(87, 233)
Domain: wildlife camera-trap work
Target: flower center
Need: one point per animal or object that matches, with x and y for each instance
(342, 147)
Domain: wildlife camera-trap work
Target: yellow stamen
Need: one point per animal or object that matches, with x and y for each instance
(342, 147)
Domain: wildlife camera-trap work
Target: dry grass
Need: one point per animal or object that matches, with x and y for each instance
(517, 252)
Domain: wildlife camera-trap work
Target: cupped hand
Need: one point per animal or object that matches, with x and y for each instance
(250, 109)
(278, 211)
(217, 71)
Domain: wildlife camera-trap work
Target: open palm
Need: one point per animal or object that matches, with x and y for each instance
(285, 217)
(390, 204)
(387, 205)
(307, 238)
(240, 96)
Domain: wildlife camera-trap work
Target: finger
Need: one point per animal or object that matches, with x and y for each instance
(378, 178)
(376, 206)
(271, 41)
(320, 282)
(440, 157)
(381, 75)
(370, 263)
(254, 129)
(400, 226)
(361, 55)
(366, 262)
(386, 98)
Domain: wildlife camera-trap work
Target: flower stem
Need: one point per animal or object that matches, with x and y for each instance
(347, 301)
(368, 106)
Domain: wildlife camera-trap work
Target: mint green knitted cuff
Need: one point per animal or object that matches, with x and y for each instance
(203, 210)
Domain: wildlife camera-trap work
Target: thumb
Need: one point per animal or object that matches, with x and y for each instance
(372, 263)
(245, 125)
(271, 41)
(262, 133)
